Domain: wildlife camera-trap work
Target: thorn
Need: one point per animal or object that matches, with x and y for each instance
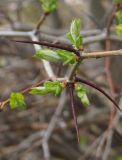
(74, 112)
(99, 89)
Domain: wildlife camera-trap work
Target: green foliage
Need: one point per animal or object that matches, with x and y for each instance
(47, 54)
(118, 1)
(82, 94)
(119, 158)
(17, 101)
(54, 87)
(119, 16)
(74, 35)
(39, 91)
(48, 5)
(54, 56)
(66, 57)
(83, 141)
(118, 29)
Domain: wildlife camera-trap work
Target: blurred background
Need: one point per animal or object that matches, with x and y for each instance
(21, 131)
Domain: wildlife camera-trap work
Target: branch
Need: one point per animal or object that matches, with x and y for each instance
(101, 54)
(91, 38)
(71, 49)
(99, 89)
(52, 124)
(15, 33)
(58, 46)
(42, 19)
(25, 91)
(46, 64)
(101, 37)
(74, 112)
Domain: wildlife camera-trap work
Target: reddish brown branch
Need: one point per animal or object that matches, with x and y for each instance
(42, 19)
(108, 63)
(47, 44)
(74, 111)
(110, 80)
(99, 89)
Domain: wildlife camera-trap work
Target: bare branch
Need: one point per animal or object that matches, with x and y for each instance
(101, 54)
(42, 19)
(74, 112)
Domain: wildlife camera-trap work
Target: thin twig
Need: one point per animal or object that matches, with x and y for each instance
(111, 86)
(42, 19)
(52, 45)
(101, 54)
(73, 111)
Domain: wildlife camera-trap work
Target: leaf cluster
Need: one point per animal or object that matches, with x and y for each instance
(74, 35)
(54, 87)
(118, 27)
(82, 94)
(17, 101)
(48, 6)
(57, 55)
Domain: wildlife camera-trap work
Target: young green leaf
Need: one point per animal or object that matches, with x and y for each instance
(74, 35)
(17, 101)
(47, 54)
(118, 1)
(118, 29)
(39, 91)
(67, 57)
(49, 5)
(119, 16)
(82, 94)
(54, 87)
(54, 56)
